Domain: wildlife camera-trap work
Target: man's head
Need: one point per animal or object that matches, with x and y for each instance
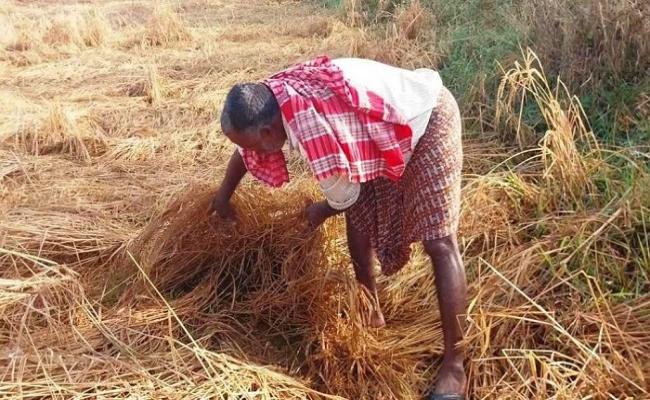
(251, 118)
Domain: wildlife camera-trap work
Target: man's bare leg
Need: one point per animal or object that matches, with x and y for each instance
(361, 254)
(451, 287)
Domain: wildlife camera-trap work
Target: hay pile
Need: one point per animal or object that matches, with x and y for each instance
(114, 283)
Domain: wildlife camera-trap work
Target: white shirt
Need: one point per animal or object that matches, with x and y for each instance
(413, 93)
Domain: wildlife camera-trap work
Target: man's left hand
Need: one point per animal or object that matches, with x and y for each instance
(318, 212)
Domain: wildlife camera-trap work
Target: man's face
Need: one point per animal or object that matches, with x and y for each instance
(266, 139)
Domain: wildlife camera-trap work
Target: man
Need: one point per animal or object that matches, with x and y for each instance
(384, 144)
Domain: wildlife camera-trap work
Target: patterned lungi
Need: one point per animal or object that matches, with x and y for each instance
(425, 203)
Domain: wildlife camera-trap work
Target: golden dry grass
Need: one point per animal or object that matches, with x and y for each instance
(115, 284)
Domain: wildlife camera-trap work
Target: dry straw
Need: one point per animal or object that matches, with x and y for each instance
(58, 131)
(164, 27)
(114, 283)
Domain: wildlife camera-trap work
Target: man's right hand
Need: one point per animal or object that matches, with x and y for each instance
(222, 208)
(221, 202)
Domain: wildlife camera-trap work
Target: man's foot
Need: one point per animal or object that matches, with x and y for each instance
(451, 378)
(377, 319)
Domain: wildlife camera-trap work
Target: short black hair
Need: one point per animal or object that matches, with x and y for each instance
(248, 105)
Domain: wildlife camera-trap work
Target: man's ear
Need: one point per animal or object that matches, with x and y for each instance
(265, 132)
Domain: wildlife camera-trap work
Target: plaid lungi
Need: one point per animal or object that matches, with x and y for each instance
(425, 203)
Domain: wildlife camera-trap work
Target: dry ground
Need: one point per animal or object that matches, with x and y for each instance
(113, 284)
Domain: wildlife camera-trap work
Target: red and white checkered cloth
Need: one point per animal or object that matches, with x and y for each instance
(343, 130)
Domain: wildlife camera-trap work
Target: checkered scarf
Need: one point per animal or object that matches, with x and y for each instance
(343, 130)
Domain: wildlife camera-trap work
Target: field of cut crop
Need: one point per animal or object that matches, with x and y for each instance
(114, 282)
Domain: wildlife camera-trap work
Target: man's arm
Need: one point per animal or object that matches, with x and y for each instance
(340, 193)
(318, 212)
(235, 171)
